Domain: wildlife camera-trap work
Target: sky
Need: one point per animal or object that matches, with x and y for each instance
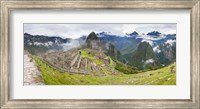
(77, 30)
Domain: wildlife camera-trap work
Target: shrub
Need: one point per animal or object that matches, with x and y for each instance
(126, 69)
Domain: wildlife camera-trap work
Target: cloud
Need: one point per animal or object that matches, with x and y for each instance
(149, 41)
(156, 49)
(149, 61)
(77, 30)
(146, 28)
(70, 45)
(170, 42)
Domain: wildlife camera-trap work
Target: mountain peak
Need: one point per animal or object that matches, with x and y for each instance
(144, 56)
(93, 41)
(133, 33)
(144, 45)
(103, 32)
(26, 34)
(92, 36)
(154, 33)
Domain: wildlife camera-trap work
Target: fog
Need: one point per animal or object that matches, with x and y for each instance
(70, 45)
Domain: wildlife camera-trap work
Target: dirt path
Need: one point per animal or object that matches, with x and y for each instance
(32, 76)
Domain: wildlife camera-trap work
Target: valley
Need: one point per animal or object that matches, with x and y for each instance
(102, 58)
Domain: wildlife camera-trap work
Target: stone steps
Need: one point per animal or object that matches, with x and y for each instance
(32, 75)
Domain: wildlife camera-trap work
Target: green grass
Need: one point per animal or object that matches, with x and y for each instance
(125, 68)
(89, 67)
(85, 54)
(156, 77)
(111, 61)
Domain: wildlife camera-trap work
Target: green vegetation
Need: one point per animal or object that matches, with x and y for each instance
(35, 50)
(125, 68)
(162, 76)
(86, 54)
(88, 67)
(111, 61)
(143, 53)
(52, 76)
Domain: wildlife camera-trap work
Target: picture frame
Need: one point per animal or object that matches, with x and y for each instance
(7, 6)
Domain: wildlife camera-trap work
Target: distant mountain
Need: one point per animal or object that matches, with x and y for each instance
(112, 51)
(41, 44)
(133, 34)
(166, 52)
(144, 57)
(154, 33)
(139, 50)
(82, 40)
(109, 49)
(156, 40)
(129, 42)
(93, 41)
(123, 44)
(43, 40)
(92, 37)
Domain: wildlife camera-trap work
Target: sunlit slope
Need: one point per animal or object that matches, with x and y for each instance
(52, 76)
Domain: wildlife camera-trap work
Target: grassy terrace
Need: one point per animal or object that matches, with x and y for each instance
(87, 55)
(52, 76)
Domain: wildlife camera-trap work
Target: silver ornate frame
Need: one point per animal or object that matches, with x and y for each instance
(7, 6)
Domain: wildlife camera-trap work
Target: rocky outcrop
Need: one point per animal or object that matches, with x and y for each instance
(167, 53)
(93, 41)
(109, 49)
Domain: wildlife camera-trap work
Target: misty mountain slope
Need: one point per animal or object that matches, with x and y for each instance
(120, 48)
(128, 43)
(43, 40)
(93, 41)
(108, 48)
(155, 38)
(41, 44)
(37, 44)
(164, 49)
(123, 44)
(144, 57)
(166, 52)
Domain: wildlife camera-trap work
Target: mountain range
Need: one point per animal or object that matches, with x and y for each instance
(144, 51)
